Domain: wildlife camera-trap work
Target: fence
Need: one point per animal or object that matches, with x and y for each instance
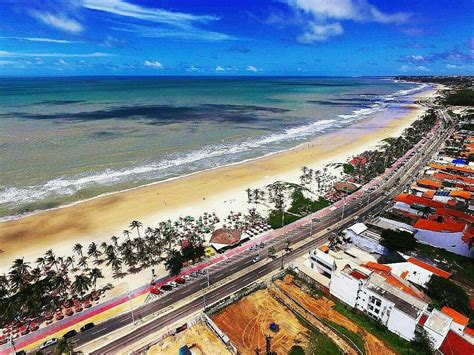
(220, 334)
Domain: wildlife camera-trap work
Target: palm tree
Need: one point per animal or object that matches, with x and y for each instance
(78, 249)
(70, 262)
(83, 263)
(126, 233)
(114, 240)
(64, 346)
(81, 284)
(94, 275)
(51, 259)
(21, 266)
(41, 262)
(94, 251)
(136, 225)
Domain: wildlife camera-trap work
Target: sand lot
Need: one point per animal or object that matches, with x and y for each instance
(323, 308)
(247, 321)
(202, 339)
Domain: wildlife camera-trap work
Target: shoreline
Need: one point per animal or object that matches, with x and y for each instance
(219, 189)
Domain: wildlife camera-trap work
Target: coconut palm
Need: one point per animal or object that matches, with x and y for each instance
(64, 346)
(70, 262)
(41, 262)
(78, 249)
(126, 233)
(136, 225)
(81, 284)
(95, 274)
(94, 251)
(114, 240)
(83, 263)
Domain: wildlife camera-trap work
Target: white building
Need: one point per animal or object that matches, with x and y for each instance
(365, 238)
(373, 295)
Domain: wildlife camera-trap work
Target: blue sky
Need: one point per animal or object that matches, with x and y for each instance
(239, 37)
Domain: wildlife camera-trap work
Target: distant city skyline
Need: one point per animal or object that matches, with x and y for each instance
(287, 37)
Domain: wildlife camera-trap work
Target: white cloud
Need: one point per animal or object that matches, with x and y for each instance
(321, 19)
(192, 68)
(409, 68)
(41, 39)
(65, 55)
(319, 33)
(454, 66)
(220, 69)
(356, 10)
(153, 64)
(252, 68)
(62, 62)
(123, 8)
(6, 62)
(61, 22)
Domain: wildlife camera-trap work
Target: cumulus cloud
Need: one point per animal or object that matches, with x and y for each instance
(319, 33)
(153, 64)
(252, 68)
(321, 19)
(219, 69)
(59, 21)
(410, 68)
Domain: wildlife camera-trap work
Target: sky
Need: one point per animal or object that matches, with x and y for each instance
(236, 37)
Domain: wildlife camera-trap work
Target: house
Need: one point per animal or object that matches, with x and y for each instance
(372, 294)
(226, 238)
(365, 237)
(459, 322)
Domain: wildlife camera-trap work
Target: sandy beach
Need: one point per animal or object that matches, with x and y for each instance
(219, 190)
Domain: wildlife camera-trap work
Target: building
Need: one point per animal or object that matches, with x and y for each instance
(365, 237)
(226, 238)
(370, 293)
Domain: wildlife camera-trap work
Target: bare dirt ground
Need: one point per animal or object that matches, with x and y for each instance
(200, 339)
(247, 321)
(322, 308)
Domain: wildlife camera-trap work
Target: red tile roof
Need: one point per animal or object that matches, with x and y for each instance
(226, 236)
(454, 344)
(431, 268)
(416, 200)
(447, 227)
(461, 193)
(454, 213)
(423, 319)
(376, 266)
(457, 317)
(429, 183)
(469, 331)
(358, 275)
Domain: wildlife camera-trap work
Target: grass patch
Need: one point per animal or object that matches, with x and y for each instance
(300, 206)
(356, 338)
(463, 97)
(318, 343)
(400, 345)
(461, 267)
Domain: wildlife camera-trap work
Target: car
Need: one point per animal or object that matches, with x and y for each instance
(48, 343)
(187, 277)
(70, 334)
(155, 290)
(87, 326)
(179, 280)
(261, 245)
(166, 287)
(194, 274)
(256, 259)
(201, 272)
(172, 284)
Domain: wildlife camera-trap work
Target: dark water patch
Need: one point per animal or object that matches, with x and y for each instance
(334, 103)
(161, 114)
(59, 102)
(106, 134)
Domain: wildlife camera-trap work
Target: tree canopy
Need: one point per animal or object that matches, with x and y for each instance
(446, 293)
(398, 240)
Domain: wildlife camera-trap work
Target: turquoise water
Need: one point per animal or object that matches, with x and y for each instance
(67, 139)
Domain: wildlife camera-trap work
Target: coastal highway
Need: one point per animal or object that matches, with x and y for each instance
(359, 208)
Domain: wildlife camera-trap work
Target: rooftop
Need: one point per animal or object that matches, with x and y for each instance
(448, 227)
(438, 322)
(457, 317)
(431, 268)
(454, 344)
(226, 236)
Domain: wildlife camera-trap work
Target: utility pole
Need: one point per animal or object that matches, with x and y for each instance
(268, 339)
(131, 307)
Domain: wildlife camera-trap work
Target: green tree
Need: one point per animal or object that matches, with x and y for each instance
(296, 350)
(398, 240)
(446, 293)
(422, 343)
(174, 262)
(64, 346)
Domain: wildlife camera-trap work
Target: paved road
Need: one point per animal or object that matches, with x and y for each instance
(371, 203)
(379, 198)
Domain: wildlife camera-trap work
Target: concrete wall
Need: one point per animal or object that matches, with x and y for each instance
(344, 287)
(365, 243)
(450, 241)
(381, 312)
(402, 324)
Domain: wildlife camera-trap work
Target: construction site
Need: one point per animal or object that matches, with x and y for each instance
(271, 317)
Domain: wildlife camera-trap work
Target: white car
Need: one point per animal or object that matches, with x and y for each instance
(173, 284)
(48, 343)
(256, 259)
(187, 277)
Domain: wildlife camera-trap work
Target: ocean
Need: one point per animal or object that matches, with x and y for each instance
(64, 140)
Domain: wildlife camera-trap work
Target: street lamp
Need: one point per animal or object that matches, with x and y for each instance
(131, 306)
